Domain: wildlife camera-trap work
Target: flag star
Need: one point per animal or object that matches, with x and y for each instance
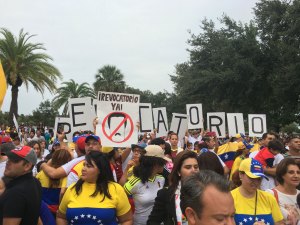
(89, 216)
(76, 217)
(256, 219)
(72, 221)
(226, 156)
(99, 221)
(245, 220)
(82, 215)
(268, 223)
(241, 223)
(250, 218)
(94, 217)
(263, 220)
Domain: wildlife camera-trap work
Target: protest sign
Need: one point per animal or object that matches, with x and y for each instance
(118, 115)
(160, 121)
(195, 119)
(257, 125)
(216, 123)
(63, 124)
(146, 117)
(81, 114)
(235, 123)
(179, 125)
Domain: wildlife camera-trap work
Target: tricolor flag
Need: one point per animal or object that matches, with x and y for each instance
(227, 151)
(3, 85)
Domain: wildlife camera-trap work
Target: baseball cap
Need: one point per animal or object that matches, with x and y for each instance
(156, 151)
(27, 153)
(75, 138)
(248, 146)
(81, 143)
(95, 137)
(6, 139)
(252, 168)
(56, 142)
(241, 145)
(107, 149)
(6, 147)
(139, 145)
(239, 135)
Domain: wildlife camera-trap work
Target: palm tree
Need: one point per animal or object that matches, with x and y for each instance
(22, 64)
(110, 79)
(71, 89)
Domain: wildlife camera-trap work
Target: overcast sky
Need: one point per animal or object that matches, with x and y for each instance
(145, 39)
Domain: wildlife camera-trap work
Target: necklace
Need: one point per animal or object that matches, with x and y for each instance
(255, 206)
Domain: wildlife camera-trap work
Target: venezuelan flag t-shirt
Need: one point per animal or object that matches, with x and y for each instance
(85, 209)
(50, 195)
(267, 209)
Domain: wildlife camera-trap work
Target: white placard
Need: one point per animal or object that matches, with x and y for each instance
(146, 117)
(63, 124)
(235, 124)
(179, 125)
(216, 123)
(80, 114)
(118, 115)
(195, 116)
(257, 124)
(160, 121)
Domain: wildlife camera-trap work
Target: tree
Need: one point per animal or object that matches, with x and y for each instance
(222, 70)
(278, 25)
(110, 79)
(71, 89)
(25, 63)
(249, 68)
(45, 114)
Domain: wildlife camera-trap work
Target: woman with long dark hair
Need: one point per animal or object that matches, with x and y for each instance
(166, 208)
(95, 198)
(146, 182)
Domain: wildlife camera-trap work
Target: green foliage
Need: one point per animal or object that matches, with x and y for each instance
(249, 68)
(25, 63)
(110, 79)
(4, 118)
(291, 128)
(45, 114)
(71, 89)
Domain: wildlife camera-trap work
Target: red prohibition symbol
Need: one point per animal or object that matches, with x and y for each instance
(126, 118)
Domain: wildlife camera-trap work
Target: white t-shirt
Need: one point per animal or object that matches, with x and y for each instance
(192, 139)
(69, 165)
(287, 202)
(144, 196)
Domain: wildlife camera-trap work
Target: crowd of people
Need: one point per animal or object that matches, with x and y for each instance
(47, 179)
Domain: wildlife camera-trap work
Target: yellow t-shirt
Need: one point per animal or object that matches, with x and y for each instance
(50, 195)
(84, 208)
(45, 180)
(266, 207)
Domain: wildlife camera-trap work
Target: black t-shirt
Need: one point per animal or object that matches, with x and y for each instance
(22, 199)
